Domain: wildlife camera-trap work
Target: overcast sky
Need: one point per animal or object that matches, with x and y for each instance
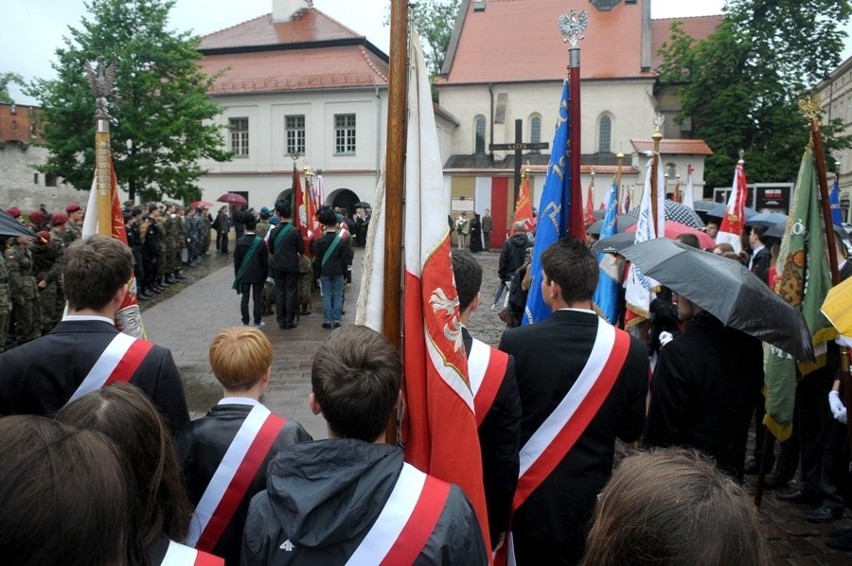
(35, 27)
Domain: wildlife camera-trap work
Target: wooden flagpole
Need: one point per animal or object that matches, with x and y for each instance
(655, 162)
(100, 82)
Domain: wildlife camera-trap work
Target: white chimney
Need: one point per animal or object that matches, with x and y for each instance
(283, 10)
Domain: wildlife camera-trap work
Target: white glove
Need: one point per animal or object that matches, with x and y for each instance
(665, 338)
(837, 407)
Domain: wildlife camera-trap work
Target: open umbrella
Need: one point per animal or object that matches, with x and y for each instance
(201, 204)
(718, 212)
(836, 307)
(675, 229)
(11, 227)
(614, 244)
(624, 221)
(767, 219)
(679, 213)
(726, 289)
(362, 205)
(232, 198)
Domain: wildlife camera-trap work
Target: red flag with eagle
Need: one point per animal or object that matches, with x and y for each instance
(128, 317)
(523, 207)
(438, 426)
(731, 228)
(301, 208)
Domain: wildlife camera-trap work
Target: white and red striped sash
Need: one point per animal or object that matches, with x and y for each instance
(486, 368)
(557, 434)
(181, 555)
(118, 362)
(232, 478)
(406, 522)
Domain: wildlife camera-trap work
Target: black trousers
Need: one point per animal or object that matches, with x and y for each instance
(286, 292)
(256, 291)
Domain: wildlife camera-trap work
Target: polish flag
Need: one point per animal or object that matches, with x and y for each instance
(128, 318)
(733, 223)
(438, 425)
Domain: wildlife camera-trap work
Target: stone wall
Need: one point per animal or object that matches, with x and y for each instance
(18, 176)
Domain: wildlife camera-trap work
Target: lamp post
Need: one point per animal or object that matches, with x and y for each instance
(131, 187)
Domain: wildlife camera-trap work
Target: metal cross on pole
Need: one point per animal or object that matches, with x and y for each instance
(518, 147)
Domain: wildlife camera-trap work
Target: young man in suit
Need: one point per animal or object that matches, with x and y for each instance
(496, 403)
(233, 443)
(286, 245)
(251, 267)
(85, 350)
(582, 382)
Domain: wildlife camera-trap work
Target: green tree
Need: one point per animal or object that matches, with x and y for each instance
(159, 101)
(6, 79)
(740, 86)
(434, 21)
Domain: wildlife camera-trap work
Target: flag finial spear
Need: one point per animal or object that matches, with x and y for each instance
(742, 157)
(573, 25)
(100, 81)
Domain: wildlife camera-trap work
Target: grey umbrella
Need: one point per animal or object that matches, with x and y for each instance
(726, 289)
(614, 244)
(767, 219)
(11, 227)
(679, 213)
(624, 221)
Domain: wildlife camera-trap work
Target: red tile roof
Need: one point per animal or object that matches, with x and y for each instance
(697, 27)
(310, 51)
(673, 146)
(301, 69)
(519, 40)
(309, 25)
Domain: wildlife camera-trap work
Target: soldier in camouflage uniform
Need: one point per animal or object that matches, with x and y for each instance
(171, 241)
(263, 224)
(182, 243)
(47, 267)
(207, 225)
(5, 299)
(306, 284)
(22, 288)
(74, 226)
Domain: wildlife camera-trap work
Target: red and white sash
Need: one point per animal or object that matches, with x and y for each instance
(486, 368)
(557, 434)
(181, 555)
(405, 523)
(118, 362)
(232, 478)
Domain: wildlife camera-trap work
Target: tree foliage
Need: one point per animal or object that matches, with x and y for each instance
(159, 101)
(434, 21)
(5, 80)
(741, 85)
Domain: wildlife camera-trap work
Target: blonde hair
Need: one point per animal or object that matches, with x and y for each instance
(239, 357)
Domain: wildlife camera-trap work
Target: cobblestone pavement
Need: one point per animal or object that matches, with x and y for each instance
(186, 316)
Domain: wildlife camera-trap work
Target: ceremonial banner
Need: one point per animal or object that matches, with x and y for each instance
(439, 426)
(523, 208)
(638, 294)
(804, 283)
(552, 211)
(606, 293)
(301, 210)
(128, 318)
(834, 202)
(731, 228)
(589, 216)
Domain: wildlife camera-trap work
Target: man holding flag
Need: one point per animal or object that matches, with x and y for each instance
(582, 382)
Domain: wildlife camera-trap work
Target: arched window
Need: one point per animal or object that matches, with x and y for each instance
(535, 128)
(605, 134)
(479, 129)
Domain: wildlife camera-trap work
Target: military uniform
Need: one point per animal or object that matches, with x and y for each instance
(47, 267)
(306, 284)
(262, 228)
(171, 247)
(72, 232)
(5, 302)
(207, 225)
(22, 288)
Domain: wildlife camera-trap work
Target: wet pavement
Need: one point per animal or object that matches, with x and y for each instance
(187, 315)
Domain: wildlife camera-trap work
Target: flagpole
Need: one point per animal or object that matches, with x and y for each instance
(810, 108)
(620, 160)
(573, 27)
(655, 162)
(100, 81)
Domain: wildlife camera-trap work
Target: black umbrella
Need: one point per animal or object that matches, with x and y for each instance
(726, 289)
(614, 244)
(624, 222)
(362, 205)
(11, 227)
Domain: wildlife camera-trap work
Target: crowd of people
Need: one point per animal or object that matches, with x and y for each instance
(251, 487)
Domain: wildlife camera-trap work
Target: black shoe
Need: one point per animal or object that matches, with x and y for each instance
(774, 481)
(835, 533)
(824, 514)
(337, 325)
(304, 312)
(841, 541)
(289, 325)
(143, 296)
(171, 280)
(178, 276)
(800, 496)
(326, 325)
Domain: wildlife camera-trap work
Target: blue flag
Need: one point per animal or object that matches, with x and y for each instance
(552, 219)
(606, 293)
(834, 202)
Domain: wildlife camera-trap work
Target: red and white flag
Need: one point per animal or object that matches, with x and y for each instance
(733, 223)
(589, 214)
(439, 425)
(128, 317)
(523, 207)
